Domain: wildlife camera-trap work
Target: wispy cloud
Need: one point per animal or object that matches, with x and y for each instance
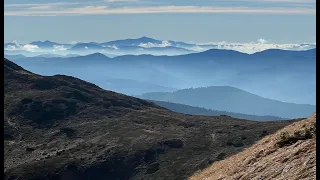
(59, 48)
(151, 45)
(261, 40)
(288, 1)
(42, 7)
(106, 7)
(105, 10)
(120, 1)
(43, 4)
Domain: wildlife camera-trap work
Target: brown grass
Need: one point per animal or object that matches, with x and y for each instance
(266, 160)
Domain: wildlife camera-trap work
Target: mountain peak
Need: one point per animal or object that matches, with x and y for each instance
(45, 41)
(145, 37)
(223, 52)
(97, 55)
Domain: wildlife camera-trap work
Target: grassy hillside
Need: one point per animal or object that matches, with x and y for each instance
(288, 154)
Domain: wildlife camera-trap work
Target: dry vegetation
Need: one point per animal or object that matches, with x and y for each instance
(289, 154)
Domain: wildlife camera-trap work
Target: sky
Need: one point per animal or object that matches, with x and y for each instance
(197, 21)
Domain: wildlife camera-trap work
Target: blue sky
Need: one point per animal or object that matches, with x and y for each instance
(277, 21)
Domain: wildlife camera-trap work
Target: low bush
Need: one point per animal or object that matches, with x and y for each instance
(286, 139)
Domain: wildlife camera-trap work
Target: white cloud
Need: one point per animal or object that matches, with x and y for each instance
(262, 41)
(105, 10)
(115, 1)
(16, 42)
(40, 7)
(113, 46)
(253, 47)
(288, 1)
(59, 48)
(30, 47)
(150, 45)
(11, 48)
(42, 4)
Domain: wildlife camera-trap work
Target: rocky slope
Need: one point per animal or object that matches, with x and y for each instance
(60, 127)
(288, 154)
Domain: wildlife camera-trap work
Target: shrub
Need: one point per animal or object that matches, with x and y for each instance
(286, 139)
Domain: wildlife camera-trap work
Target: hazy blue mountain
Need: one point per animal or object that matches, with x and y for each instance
(285, 53)
(86, 46)
(124, 47)
(49, 55)
(145, 40)
(156, 51)
(49, 44)
(71, 55)
(225, 98)
(130, 87)
(18, 56)
(185, 109)
(181, 44)
(287, 78)
(132, 42)
(175, 47)
(22, 52)
(170, 48)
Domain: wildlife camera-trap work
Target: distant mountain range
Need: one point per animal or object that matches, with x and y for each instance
(138, 46)
(288, 76)
(185, 109)
(143, 45)
(19, 56)
(49, 45)
(225, 98)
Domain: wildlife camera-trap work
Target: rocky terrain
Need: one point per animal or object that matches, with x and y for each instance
(288, 154)
(60, 127)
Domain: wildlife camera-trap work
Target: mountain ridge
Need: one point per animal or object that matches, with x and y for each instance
(227, 98)
(186, 109)
(288, 79)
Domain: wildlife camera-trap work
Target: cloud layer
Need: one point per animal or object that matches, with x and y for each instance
(151, 45)
(147, 7)
(251, 47)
